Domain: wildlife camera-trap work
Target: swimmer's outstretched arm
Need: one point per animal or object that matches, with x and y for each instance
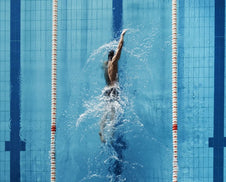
(119, 49)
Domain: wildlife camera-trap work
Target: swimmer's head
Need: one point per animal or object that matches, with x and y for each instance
(111, 54)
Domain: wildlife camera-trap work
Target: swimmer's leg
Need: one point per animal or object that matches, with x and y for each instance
(112, 120)
(102, 126)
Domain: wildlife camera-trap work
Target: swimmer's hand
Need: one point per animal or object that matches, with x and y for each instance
(124, 31)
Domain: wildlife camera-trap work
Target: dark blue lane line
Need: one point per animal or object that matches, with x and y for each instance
(15, 145)
(117, 8)
(118, 143)
(117, 25)
(218, 141)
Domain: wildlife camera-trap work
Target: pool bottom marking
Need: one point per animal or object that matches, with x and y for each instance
(218, 141)
(15, 145)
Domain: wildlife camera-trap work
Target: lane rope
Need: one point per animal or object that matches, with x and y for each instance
(53, 92)
(174, 89)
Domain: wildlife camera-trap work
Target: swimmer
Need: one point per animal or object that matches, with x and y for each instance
(111, 78)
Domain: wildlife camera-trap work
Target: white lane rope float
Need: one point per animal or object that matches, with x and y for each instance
(53, 92)
(174, 89)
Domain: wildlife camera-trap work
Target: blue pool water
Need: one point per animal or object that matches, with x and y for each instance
(140, 149)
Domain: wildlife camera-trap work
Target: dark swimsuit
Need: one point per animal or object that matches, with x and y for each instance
(111, 92)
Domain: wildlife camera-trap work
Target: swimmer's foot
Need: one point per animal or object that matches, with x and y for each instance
(102, 137)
